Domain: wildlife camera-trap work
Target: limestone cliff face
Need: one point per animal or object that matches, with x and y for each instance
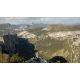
(26, 34)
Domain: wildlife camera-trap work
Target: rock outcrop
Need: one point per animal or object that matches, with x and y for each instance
(26, 34)
(11, 42)
(14, 44)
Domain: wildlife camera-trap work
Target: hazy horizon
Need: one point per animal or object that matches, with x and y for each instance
(38, 20)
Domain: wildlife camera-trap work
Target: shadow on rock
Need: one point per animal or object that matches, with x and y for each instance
(58, 59)
(14, 44)
(25, 48)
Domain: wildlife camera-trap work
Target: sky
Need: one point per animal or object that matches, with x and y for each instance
(48, 20)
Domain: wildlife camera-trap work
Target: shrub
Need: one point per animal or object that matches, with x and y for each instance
(16, 58)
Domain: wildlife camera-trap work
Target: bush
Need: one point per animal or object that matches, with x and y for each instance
(16, 58)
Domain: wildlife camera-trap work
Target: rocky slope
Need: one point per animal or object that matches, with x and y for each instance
(55, 40)
(56, 43)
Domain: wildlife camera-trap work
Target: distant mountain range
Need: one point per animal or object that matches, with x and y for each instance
(62, 27)
(54, 27)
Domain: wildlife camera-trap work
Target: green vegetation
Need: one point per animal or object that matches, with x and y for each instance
(36, 31)
(51, 47)
(16, 58)
(62, 27)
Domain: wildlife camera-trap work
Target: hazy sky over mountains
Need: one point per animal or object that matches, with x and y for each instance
(50, 20)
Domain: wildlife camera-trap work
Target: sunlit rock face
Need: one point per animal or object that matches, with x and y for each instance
(26, 34)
